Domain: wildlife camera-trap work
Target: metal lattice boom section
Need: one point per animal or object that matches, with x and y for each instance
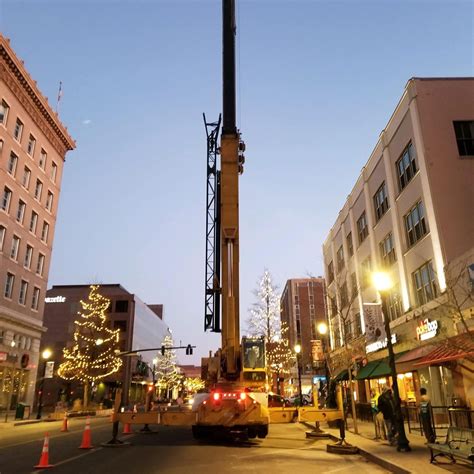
(212, 293)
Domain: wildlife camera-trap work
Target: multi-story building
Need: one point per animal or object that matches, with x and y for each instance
(303, 308)
(33, 146)
(141, 327)
(410, 214)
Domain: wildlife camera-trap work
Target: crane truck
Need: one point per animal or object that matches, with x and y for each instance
(236, 374)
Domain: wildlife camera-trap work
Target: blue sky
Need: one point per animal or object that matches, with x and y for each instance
(317, 82)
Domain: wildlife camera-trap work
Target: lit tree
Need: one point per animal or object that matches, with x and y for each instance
(280, 357)
(92, 357)
(193, 384)
(166, 368)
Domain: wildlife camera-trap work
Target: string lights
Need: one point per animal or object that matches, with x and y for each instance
(92, 356)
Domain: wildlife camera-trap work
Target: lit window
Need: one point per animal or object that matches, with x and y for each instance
(42, 160)
(18, 130)
(33, 222)
(415, 224)
(38, 189)
(465, 137)
(28, 256)
(406, 166)
(21, 211)
(31, 145)
(7, 196)
(4, 112)
(425, 284)
(9, 283)
(15, 247)
(380, 202)
(35, 299)
(40, 264)
(22, 300)
(362, 227)
(12, 162)
(26, 178)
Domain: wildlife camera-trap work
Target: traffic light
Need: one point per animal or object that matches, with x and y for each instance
(162, 350)
(189, 350)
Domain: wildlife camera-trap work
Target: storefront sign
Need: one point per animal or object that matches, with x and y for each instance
(55, 299)
(426, 329)
(49, 369)
(377, 346)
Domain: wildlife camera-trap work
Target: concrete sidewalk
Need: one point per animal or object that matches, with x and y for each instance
(386, 456)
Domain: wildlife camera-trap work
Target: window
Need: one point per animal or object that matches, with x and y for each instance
(20, 214)
(38, 189)
(330, 272)
(40, 264)
(2, 336)
(357, 325)
(380, 202)
(23, 292)
(333, 306)
(362, 228)
(18, 130)
(4, 112)
(406, 166)
(31, 145)
(35, 299)
(340, 259)
(121, 306)
(350, 246)
(348, 331)
(45, 232)
(366, 270)
(298, 329)
(33, 222)
(425, 284)
(9, 282)
(12, 162)
(49, 201)
(28, 256)
(344, 295)
(54, 171)
(387, 251)
(464, 137)
(3, 232)
(415, 224)
(15, 247)
(7, 196)
(26, 178)
(354, 289)
(42, 160)
(122, 325)
(394, 304)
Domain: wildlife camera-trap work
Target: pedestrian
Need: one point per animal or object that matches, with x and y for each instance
(386, 406)
(425, 416)
(377, 415)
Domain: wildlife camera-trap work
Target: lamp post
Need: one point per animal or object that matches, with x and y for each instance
(322, 329)
(383, 283)
(46, 354)
(298, 362)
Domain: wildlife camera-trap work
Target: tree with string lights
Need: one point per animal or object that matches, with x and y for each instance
(167, 374)
(93, 354)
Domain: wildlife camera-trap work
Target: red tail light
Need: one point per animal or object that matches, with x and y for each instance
(216, 396)
(243, 395)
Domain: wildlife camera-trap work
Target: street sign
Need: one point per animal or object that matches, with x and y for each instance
(49, 369)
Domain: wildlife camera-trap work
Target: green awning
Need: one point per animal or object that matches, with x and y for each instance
(382, 369)
(367, 370)
(343, 375)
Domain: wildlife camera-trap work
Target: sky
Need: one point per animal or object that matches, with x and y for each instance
(317, 82)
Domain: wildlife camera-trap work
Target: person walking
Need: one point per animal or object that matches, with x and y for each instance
(425, 416)
(377, 415)
(386, 407)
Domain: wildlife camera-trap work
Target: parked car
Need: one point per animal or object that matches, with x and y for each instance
(275, 400)
(295, 400)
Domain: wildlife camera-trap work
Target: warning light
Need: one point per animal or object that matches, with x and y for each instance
(150, 388)
(216, 396)
(243, 395)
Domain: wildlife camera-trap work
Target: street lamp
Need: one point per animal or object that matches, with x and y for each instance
(383, 283)
(298, 362)
(322, 329)
(46, 354)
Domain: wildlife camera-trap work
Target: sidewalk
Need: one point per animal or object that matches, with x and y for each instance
(380, 452)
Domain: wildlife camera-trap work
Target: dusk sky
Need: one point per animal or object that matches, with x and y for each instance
(317, 83)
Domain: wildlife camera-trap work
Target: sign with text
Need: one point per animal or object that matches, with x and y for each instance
(426, 329)
(379, 345)
(55, 299)
(49, 369)
(374, 325)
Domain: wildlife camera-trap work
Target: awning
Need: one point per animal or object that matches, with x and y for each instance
(377, 368)
(453, 348)
(406, 362)
(381, 370)
(343, 375)
(367, 370)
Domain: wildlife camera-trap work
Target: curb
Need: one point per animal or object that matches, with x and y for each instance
(369, 456)
(27, 422)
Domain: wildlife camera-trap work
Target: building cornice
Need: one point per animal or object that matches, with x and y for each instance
(15, 76)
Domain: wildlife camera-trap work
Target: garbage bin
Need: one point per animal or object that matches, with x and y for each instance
(20, 411)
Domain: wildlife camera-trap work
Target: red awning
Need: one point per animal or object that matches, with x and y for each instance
(407, 361)
(453, 348)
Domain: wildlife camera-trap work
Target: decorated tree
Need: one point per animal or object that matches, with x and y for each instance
(92, 356)
(167, 373)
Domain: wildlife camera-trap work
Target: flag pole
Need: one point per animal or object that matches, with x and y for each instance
(60, 94)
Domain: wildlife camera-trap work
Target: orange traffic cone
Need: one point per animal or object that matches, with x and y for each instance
(126, 429)
(44, 459)
(64, 427)
(86, 436)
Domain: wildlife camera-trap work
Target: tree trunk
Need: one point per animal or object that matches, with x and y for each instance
(86, 396)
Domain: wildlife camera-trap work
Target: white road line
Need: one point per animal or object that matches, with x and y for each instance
(72, 458)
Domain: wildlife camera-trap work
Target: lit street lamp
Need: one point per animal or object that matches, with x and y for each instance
(45, 355)
(322, 329)
(298, 362)
(383, 283)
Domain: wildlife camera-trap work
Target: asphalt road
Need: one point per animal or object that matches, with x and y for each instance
(171, 450)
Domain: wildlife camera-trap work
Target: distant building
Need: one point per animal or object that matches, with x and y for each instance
(410, 213)
(302, 310)
(141, 327)
(33, 147)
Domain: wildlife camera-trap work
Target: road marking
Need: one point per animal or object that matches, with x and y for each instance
(73, 458)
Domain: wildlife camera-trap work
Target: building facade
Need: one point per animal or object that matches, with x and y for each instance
(410, 214)
(303, 308)
(33, 146)
(141, 327)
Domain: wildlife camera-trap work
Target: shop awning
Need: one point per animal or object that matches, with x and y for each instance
(453, 348)
(406, 362)
(367, 370)
(381, 370)
(343, 375)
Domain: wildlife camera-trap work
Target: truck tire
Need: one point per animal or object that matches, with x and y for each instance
(262, 431)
